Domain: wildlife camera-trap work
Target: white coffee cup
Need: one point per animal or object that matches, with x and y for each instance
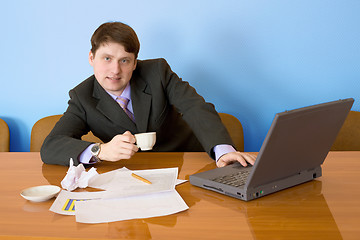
(145, 141)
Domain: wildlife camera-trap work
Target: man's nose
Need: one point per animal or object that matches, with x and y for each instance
(116, 68)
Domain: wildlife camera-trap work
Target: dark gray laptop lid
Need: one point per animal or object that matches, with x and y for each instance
(298, 140)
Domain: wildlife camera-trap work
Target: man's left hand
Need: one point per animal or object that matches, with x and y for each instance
(241, 157)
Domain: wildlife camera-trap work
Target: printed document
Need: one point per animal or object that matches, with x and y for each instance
(124, 196)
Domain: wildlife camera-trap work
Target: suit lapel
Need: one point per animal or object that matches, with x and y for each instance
(141, 102)
(111, 109)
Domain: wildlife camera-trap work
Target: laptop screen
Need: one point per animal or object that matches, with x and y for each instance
(299, 140)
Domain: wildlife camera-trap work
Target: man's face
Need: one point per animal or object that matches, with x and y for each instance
(113, 66)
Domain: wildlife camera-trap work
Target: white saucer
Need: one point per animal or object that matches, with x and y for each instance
(40, 193)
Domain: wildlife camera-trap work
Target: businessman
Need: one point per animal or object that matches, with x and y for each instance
(126, 96)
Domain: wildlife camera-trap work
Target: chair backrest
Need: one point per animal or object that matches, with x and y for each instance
(348, 138)
(43, 127)
(4, 136)
(234, 127)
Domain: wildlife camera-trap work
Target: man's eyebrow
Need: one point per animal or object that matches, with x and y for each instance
(107, 54)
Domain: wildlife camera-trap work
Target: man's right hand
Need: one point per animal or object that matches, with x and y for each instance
(122, 146)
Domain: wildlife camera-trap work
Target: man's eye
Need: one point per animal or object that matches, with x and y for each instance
(124, 61)
(107, 59)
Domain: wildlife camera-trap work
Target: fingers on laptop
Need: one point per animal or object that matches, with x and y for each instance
(242, 158)
(250, 158)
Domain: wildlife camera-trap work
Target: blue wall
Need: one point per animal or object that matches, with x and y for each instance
(251, 58)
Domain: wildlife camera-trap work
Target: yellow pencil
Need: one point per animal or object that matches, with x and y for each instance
(140, 178)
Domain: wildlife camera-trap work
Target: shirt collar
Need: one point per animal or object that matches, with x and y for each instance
(124, 94)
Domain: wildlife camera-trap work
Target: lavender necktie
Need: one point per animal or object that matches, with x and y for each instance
(123, 102)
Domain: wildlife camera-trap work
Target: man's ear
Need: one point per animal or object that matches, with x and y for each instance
(135, 64)
(91, 58)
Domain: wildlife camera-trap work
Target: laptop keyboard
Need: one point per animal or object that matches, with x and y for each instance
(235, 179)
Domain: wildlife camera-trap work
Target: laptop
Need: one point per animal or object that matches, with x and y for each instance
(292, 153)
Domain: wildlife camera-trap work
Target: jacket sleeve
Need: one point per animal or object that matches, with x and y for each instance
(200, 115)
(64, 141)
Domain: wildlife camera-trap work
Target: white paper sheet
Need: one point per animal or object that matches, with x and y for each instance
(65, 202)
(133, 207)
(102, 180)
(125, 197)
(123, 184)
(180, 181)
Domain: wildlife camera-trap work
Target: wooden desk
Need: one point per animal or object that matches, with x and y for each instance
(327, 208)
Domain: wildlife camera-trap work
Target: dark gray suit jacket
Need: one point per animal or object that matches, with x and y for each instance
(162, 103)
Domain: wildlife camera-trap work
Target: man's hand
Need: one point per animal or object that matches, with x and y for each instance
(122, 146)
(240, 157)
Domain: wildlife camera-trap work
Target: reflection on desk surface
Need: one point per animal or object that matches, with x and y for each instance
(300, 212)
(312, 220)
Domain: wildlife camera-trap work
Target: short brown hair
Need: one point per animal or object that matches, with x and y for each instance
(116, 32)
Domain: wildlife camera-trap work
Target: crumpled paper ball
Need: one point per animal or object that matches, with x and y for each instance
(76, 176)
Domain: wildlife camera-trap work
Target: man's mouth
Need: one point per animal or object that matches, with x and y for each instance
(114, 78)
